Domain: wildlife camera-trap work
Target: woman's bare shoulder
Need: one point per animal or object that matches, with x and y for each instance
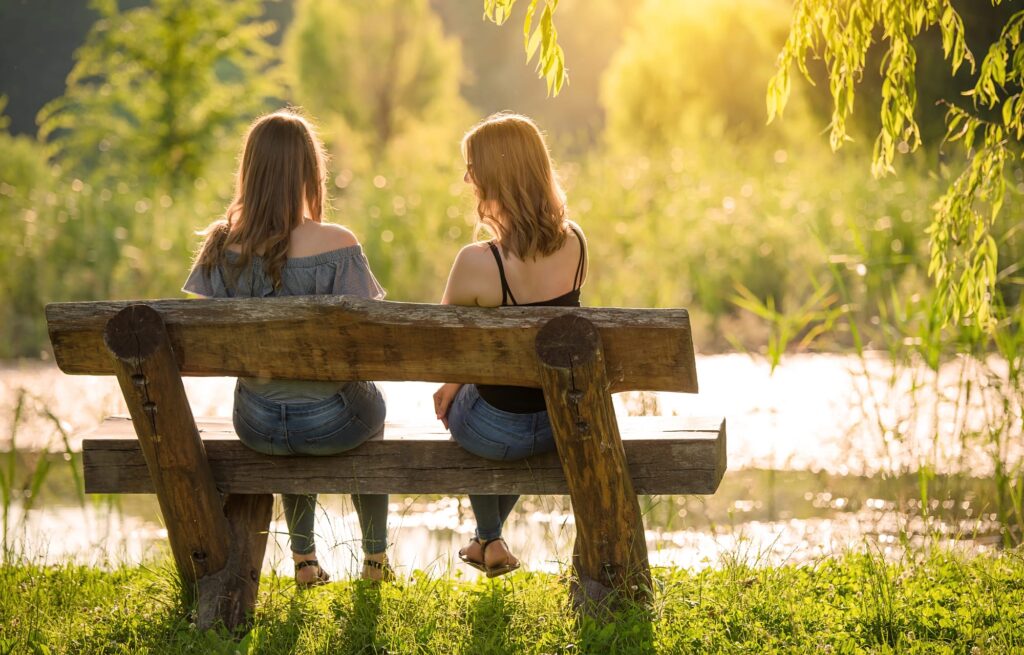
(316, 238)
(335, 235)
(470, 280)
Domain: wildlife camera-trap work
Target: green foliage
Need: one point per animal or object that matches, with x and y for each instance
(691, 71)
(372, 73)
(139, 154)
(927, 603)
(540, 39)
(964, 251)
(155, 91)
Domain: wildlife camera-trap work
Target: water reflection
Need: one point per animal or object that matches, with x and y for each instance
(806, 477)
(767, 516)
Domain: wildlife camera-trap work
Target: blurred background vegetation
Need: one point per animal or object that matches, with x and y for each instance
(121, 123)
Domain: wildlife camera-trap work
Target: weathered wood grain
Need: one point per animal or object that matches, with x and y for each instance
(343, 338)
(610, 546)
(140, 354)
(667, 455)
(229, 595)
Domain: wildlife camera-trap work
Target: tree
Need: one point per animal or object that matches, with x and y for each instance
(989, 122)
(156, 90)
(382, 67)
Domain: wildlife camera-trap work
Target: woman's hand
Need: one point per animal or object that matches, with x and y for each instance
(443, 400)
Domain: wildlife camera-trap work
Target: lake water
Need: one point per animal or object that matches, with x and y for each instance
(822, 455)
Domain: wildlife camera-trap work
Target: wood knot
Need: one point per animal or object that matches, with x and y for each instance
(199, 555)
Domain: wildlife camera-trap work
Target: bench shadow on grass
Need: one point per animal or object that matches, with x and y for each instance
(361, 626)
(489, 618)
(630, 629)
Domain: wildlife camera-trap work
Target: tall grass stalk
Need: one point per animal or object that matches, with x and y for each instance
(23, 473)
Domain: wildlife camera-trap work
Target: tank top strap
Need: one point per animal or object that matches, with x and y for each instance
(506, 292)
(577, 280)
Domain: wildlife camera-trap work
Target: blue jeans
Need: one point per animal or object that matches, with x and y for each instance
(491, 433)
(324, 427)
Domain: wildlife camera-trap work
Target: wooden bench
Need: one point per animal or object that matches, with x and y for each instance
(216, 495)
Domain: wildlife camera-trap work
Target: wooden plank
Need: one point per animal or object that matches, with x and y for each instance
(610, 554)
(667, 455)
(140, 354)
(343, 338)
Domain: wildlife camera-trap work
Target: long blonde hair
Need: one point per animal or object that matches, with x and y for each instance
(511, 167)
(283, 165)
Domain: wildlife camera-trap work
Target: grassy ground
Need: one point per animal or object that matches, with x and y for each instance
(931, 604)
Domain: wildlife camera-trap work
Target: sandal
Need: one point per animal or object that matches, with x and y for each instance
(464, 556)
(494, 571)
(387, 574)
(511, 564)
(322, 577)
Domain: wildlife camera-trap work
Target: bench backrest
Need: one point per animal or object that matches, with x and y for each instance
(344, 338)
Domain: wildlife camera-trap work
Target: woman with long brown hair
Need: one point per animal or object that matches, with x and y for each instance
(536, 258)
(273, 242)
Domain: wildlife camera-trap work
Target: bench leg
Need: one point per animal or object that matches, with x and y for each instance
(229, 596)
(610, 552)
(200, 533)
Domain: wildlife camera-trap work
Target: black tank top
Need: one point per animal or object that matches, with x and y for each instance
(527, 400)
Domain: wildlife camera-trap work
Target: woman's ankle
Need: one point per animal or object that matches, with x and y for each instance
(303, 557)
(375, 566)
(496, 552)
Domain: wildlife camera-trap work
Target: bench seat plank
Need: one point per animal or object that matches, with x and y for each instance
(667, 455)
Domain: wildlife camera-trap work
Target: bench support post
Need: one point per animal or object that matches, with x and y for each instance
(611, 551)
(199, 530)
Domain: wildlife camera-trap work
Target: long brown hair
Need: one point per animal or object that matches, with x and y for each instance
(283, 164)
(511, 167)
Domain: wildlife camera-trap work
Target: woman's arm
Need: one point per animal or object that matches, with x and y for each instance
(463, 288)
(465, 280)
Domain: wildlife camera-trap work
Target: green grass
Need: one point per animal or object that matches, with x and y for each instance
(934, 603)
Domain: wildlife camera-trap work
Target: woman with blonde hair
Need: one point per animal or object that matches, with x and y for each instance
(273, 242)
(536, 258)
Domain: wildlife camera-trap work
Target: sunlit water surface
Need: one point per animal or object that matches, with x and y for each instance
(812, 471)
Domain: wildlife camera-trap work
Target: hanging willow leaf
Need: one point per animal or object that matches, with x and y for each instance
(540, 39)
(963, 259)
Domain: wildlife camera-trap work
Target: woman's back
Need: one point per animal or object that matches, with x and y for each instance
(476, 276)
(323, 259)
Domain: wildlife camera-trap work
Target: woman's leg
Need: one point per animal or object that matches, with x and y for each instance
(492, 434)
(262, 426)
(299, 513)
(372, 510)
(489, 518)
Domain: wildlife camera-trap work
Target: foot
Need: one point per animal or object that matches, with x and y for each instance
(376, 568)
(307, 570)
(498, 559)
(491, 557)
(473, 554)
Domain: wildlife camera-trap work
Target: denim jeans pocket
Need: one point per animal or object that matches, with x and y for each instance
(260, 439)
(478, 443)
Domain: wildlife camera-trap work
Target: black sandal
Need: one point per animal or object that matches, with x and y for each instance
(510, 565)
(387, 574)
(321, 578)
(479, 566)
